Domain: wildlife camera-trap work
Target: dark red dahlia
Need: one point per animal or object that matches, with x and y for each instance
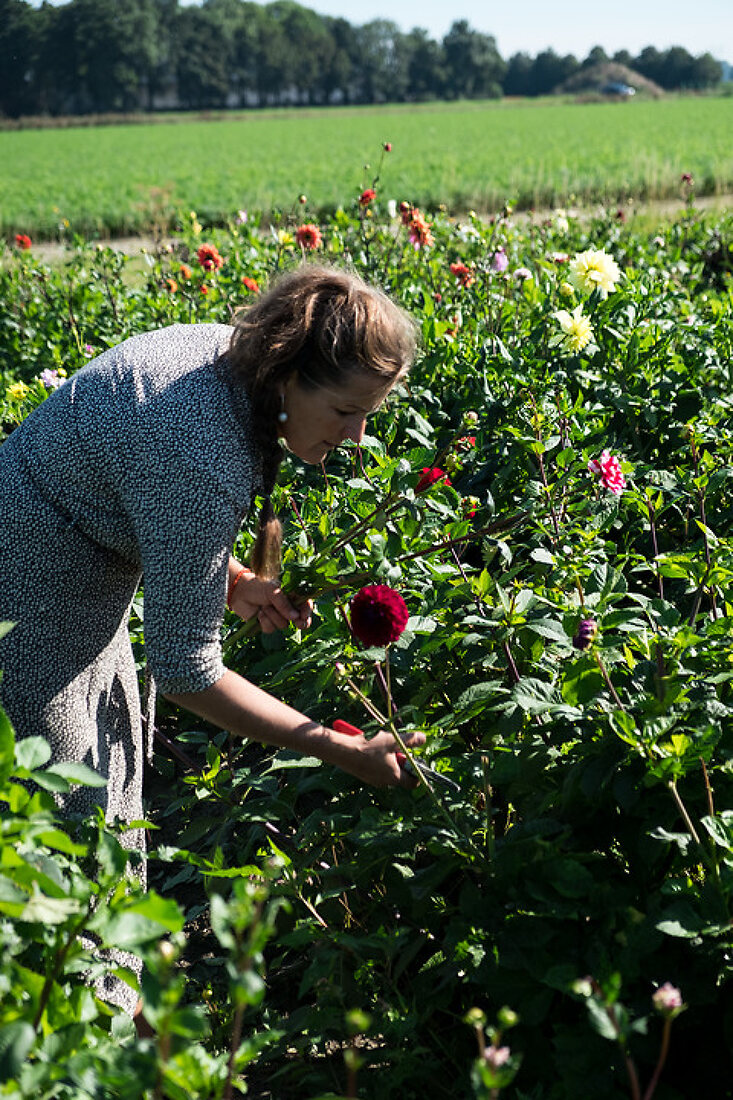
(378, 615)
(428, 477)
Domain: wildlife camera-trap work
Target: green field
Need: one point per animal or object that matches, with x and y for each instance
(464, 154)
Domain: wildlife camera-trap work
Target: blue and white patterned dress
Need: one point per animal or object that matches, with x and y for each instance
(141, 465)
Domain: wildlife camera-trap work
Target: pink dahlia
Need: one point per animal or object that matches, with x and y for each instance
(500, 260)
(608, 470)
(428, 477)
(378, 615)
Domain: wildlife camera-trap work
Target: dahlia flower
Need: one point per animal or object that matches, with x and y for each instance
(576, 331)
(594, 270)
(428, 477)
(209, 258)
(308, 236)
(367, 196)
(463, 273)
(607, 468)
(23, 241)
(250, 284)
(378, 615)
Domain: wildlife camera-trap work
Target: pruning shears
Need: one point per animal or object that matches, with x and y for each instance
(426, 771)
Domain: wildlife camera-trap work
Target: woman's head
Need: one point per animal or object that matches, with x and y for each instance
(324, 347)
(317, 326)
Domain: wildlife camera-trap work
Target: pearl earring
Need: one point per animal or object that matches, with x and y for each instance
(282, 416)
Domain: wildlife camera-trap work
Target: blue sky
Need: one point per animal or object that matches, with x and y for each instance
(568, 26)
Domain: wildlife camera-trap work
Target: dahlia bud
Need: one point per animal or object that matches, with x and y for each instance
(587, 630)
(668, 1000)
(475, 1017)
(302, 199)
(470, 419)
(566, 290)
(167, 952)
(507, 1017)
(387, 146)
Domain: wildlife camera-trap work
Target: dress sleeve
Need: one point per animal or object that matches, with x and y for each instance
(186, 519)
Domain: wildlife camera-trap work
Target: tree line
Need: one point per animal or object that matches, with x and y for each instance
(97, 56)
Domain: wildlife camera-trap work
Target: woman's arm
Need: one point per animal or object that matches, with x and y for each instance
(243, 709)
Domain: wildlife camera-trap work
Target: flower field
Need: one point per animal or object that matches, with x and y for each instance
(121, 179)
(529, 559)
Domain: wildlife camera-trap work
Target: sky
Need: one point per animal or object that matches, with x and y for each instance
(568, 26)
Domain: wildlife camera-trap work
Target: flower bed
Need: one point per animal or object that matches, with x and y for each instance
(548, 502)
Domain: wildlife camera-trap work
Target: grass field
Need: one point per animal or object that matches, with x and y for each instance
(465, 155)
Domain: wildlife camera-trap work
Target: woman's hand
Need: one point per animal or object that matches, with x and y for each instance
(374, 760)
(267, 601)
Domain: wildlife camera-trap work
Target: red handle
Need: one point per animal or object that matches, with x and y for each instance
(345, 727)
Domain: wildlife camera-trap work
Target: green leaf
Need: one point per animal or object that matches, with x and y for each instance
(77, 773)
(16, 1042)
(32, 752)
(7, 745)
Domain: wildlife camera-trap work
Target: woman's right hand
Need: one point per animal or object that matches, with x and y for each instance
(373, 760)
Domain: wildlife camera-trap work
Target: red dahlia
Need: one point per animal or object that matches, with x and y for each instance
(23, 241)
(378, 615)
(428, 477)
(251, 284)
(367, 196)
(308, 236)
(209, 258)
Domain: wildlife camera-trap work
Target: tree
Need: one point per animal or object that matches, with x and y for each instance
(382, 68)
(425, 66)
(549, 70)
(204, 59)
(518, 76)
(337, 80)
(19, 44)
(597, 56)
(474, 66)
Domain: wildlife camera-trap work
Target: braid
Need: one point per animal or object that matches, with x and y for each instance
(265, 558)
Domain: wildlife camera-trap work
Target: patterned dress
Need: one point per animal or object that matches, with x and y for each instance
(141, 465)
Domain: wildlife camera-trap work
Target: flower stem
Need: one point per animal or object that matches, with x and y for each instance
(607, 678)
(663, 1050)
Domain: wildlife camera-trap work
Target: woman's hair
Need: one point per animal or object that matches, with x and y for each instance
(320, 325)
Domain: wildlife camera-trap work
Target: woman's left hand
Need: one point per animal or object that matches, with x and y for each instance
(267, 601)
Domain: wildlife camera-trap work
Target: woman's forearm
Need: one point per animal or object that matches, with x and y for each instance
(246, 711)
(239, 706)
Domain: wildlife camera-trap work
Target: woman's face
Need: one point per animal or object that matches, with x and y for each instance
(319, 419)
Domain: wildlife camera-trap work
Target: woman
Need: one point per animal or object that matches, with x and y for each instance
(143, 464)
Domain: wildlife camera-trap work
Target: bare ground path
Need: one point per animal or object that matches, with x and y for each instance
(662, 209)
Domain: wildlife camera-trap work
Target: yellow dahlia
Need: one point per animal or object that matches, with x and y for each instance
(576, 331)
(594, 270)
